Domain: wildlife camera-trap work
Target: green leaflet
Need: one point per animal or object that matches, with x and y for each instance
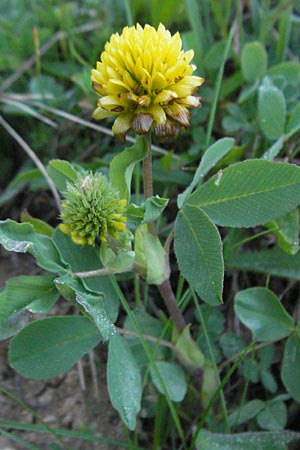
(261, 311)
(124, 380)
(121, 167)
(21, 291)
(198, 249)
(249, 193)
(48, 347)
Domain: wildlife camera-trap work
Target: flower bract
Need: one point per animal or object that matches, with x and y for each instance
(92, 209)
(145, 79)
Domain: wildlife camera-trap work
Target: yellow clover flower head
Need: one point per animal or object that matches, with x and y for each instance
(145, 79)
(92, 208)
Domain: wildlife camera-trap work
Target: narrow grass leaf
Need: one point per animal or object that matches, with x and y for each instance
(76, 434)
(18, 440)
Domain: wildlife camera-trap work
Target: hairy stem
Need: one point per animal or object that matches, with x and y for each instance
(147, 163)
(169, 298)
(148, 180)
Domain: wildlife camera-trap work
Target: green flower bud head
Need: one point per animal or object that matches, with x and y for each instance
(92, 208)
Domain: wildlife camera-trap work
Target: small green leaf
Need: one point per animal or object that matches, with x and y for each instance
(286, 230)
(271, 110)
(268, 380)
(266, 356)
(121, 167)
(135, 213)
(273, 416)
(173, 378)
(249, 193)
(124, 380)
(231, 344)
(150, 255)
(261, 311)
(21, 238)
(254, 61)
(39, 226)
(289, 70)
(246, 412)
(61, 171)
(148, 211)
(48, 347)
(120, 261)
(187, 350)
(246, 441)
(251, 370)
(198, 250)
(154, 206)
(290, 370)
(21, 291)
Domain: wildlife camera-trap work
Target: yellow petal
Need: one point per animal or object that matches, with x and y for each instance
(158, 81)
(122, 123)
(118, 226)
(64, 228)
(158, 113)
(77, 239)
(101, 113)
(165, 96)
